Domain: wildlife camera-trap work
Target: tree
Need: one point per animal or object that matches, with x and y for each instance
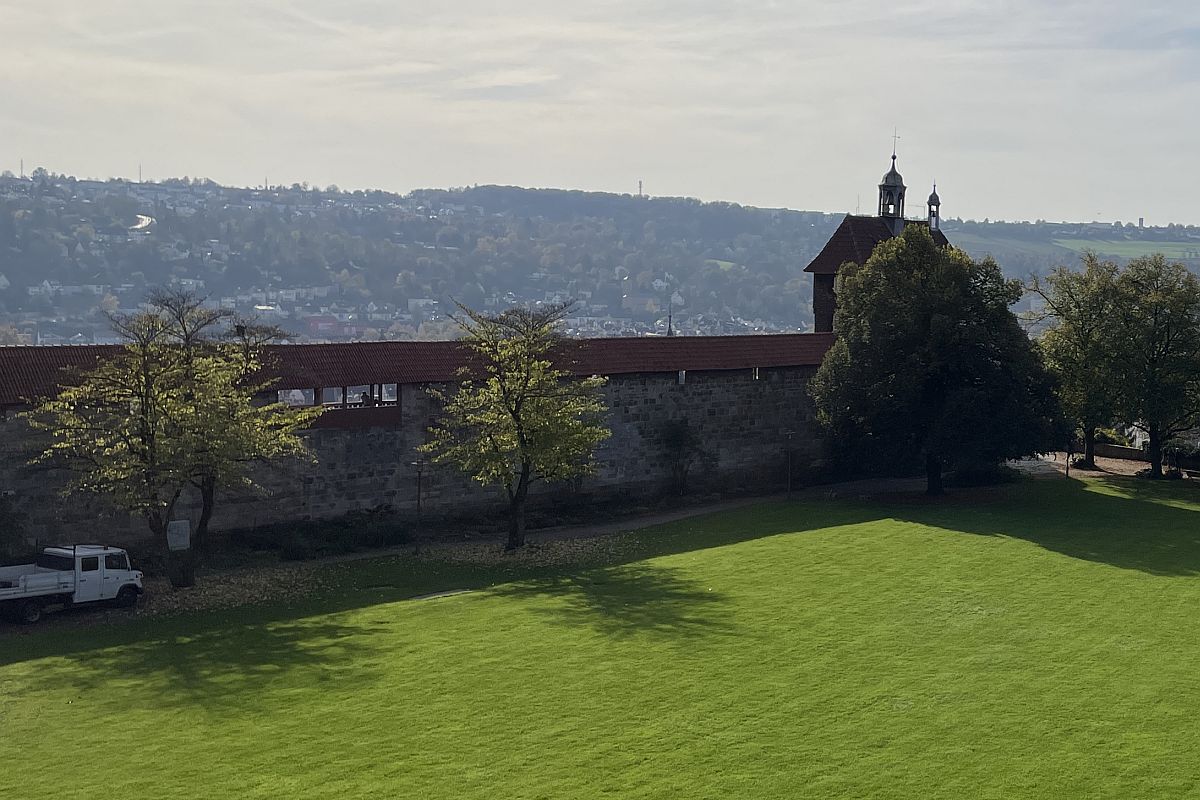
(516, 417)
(683, 449)
(119, 429)
(1080, 349)
(175, 408)
(930, 362)
(1159, 350)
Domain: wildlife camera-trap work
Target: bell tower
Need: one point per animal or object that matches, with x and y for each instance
(891, 198)
(935, 210)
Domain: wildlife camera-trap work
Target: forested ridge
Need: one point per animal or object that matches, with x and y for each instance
(620, 255)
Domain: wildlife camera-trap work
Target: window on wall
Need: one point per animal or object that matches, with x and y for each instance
(682, 377)
(331, 396)
(754, 373)
(390, 393)
(358, 395)
(296, 397)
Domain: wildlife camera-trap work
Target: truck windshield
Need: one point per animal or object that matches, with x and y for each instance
(51, 561)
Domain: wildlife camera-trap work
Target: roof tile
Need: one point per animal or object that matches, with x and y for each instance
(855, 239)
(32, 372)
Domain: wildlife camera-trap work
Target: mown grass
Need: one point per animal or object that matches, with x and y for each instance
(1132, 249)
(1035, 641)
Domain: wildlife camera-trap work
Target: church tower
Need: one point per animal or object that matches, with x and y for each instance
(856, 238)
(891, 198)
(935, 210)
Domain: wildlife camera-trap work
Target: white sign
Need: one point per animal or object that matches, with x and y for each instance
(179, 534)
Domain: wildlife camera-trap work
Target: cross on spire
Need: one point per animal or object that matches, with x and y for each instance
(895, 138)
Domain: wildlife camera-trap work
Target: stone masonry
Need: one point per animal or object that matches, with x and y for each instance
(748, 420)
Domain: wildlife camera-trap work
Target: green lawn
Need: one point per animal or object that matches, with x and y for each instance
(1132, 249)
(1039, 641)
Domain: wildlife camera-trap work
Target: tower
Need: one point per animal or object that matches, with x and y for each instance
(891, 198)
(856, 238)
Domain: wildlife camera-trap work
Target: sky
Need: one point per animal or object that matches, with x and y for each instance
(1019, 109)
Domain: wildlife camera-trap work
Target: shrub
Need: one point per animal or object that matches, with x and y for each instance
(297, 549)
(982, 475)
(298, 541)
(1112, 436)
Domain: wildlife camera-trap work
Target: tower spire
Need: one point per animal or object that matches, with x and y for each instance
(891, 195)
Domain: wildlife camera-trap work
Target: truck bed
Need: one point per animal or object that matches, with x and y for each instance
(31, 581)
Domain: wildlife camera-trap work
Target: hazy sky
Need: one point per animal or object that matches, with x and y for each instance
(1020, 109)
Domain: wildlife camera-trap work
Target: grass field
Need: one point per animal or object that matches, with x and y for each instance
(1034, 641)
(1129, 249)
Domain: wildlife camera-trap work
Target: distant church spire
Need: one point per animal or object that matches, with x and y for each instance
(891, 197)
(935, 209)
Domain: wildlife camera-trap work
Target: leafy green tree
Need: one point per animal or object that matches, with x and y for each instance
(516, 417)
(119, 430)
(1082, 345)
(173, 409)
(1159, 350)
(222, 361)
(930, 362)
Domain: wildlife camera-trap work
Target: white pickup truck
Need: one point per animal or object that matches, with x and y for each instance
(68, 576)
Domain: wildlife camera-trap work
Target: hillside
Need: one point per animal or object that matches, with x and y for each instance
(372, 264)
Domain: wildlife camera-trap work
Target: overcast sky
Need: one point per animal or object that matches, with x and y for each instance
(1019, 109)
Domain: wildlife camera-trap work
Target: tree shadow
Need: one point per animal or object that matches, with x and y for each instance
(226, 668)
(1130, 523)
(627, 600)
(221, 658)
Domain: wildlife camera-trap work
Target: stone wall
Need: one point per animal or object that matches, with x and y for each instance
(747, 420)
(1117, 451)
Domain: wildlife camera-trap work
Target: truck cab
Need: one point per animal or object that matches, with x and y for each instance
(68, 575)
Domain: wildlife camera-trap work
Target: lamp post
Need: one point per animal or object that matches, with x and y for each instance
(788, 434)
(419, 466)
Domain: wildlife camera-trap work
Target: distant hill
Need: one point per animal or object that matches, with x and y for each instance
(393, 260)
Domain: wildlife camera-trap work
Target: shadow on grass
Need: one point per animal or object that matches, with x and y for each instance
(627, 600)
(1131, 523)
(229, 668)
(219, 656)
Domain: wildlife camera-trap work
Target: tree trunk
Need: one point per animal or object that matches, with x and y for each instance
(933, 475)
(516, 525)
(516, 511)
(208, 496)
(1089, 447)
(181, 564)
(181, 568)
(1155, 451)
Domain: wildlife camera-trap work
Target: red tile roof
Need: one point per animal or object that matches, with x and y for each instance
(27, 372)
(855, 239)
(31, 372)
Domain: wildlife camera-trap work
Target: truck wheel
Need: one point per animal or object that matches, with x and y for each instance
(30, 612)
(127, 597)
